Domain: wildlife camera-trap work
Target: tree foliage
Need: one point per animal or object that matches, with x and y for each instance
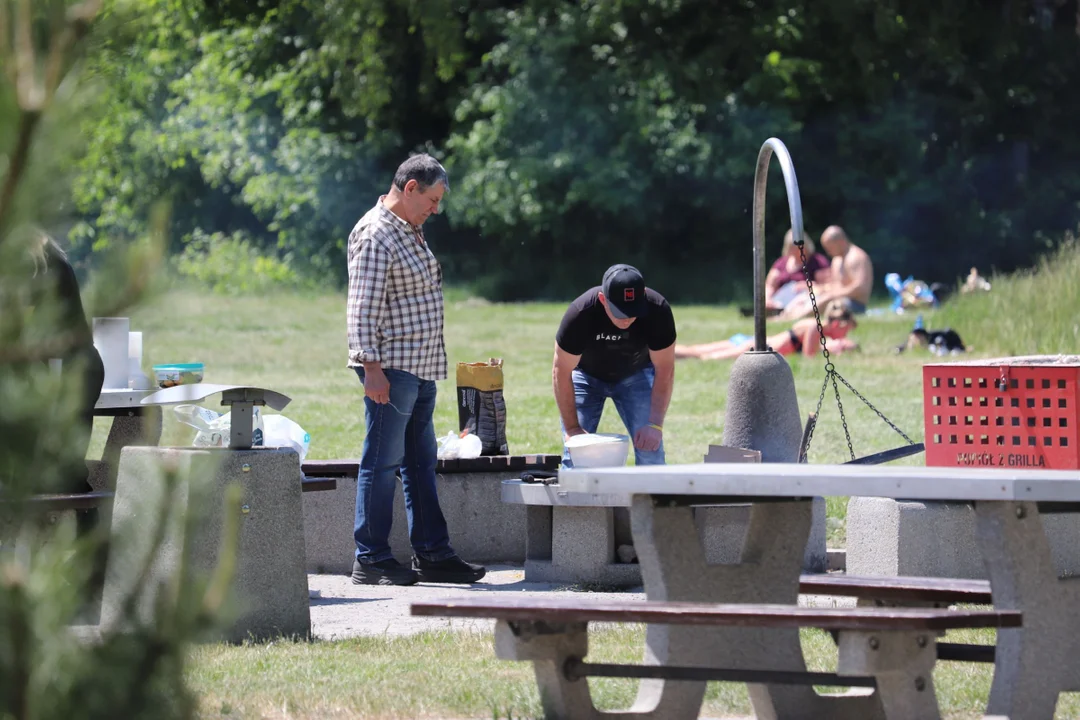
(50, 572)
(584, 133)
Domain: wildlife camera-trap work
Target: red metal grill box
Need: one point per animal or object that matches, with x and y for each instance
(1005, 412)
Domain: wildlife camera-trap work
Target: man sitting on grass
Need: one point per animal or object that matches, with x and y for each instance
(851, 279)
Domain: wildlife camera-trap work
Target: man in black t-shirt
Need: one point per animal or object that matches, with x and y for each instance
(617, 341)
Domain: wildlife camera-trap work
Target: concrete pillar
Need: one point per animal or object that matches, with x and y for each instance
(269, 591)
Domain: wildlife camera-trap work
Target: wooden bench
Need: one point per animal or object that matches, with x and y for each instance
(905, 591)
(482, 527)
(884, 591)
(486, 463)
(891, 649)
(59, 502)
(318, 484)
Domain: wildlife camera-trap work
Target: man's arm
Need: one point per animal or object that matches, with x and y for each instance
(771, 284)
(811, 340)
(562, 382)
(648, 438)
(857, 276)
(862, 277)
(368, 272)
(664, 364)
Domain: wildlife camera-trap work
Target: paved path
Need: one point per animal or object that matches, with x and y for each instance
(340, 609)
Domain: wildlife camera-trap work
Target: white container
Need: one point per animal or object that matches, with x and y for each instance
(598, 450)
(137, 379)
(111, 338)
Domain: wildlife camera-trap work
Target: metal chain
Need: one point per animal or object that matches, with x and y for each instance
(871, 406)
(830, 371)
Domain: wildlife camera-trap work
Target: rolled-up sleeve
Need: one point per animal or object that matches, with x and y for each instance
(369, 265)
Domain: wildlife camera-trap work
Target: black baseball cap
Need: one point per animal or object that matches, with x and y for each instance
(624, 289)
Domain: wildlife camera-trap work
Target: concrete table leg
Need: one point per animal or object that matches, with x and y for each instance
(269, 592)
(902, 664)
(674, 568)
(549, 647)
(141, 427)
(1041, 659)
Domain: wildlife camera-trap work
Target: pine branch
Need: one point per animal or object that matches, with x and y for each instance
(34, 96)
(28, 122)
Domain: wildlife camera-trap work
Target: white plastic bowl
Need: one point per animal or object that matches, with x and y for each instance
(598, 450)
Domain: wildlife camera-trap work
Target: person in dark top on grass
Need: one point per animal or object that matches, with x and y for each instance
(803, 337)
(786, 280)
(617, 341)
(55, 314)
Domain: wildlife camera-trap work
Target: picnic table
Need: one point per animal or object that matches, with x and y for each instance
(1032, 663)
(134, 423)
(733, 616)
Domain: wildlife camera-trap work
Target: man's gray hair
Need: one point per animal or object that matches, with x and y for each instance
(424, 169)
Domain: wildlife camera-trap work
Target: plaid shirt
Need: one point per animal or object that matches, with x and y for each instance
(395, 305)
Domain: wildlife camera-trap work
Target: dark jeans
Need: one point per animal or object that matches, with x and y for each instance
(93, 378)
(400, 437)
(82, 375)
(633, 401)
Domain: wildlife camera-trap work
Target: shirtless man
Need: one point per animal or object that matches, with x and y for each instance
(852, 276)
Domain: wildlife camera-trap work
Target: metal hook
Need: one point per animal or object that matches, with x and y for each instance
(761, 178)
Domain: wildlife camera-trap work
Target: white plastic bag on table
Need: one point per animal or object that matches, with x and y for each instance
(454, 447)
(280, 431)
(266, 431)
(214, 427)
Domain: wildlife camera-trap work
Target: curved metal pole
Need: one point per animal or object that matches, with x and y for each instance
(761, 177)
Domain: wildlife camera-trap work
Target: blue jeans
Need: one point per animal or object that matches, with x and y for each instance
(633, 401)
(400, 436)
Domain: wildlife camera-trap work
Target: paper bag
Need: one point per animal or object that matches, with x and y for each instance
(481, 408)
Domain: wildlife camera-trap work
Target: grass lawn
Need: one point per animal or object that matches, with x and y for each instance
(456, 675)
(295, 344)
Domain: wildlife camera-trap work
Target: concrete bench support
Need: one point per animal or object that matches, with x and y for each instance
(270, 585)
(936, 539)
(574, 537)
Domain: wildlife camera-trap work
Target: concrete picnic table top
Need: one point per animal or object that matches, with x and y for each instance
(117, 398)
(812, 480)
(200, 391)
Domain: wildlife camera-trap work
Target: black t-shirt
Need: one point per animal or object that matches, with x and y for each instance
(54, 293)
(608, 353)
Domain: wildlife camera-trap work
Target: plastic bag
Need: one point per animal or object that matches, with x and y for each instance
(280, 431)
(214, 427)
(455, 447)
(908, 293)
(266, 430)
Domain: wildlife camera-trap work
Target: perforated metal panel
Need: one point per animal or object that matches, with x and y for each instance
(1009, 412)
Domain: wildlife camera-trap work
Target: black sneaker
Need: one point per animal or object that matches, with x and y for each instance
(384, 572)
(451, 570)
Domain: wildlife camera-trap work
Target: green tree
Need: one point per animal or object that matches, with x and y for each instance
(603, 132)
(275, 124)
(939, 135)
(583, 132)
(47, 581)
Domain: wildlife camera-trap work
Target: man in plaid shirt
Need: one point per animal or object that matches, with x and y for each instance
(395, 327)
